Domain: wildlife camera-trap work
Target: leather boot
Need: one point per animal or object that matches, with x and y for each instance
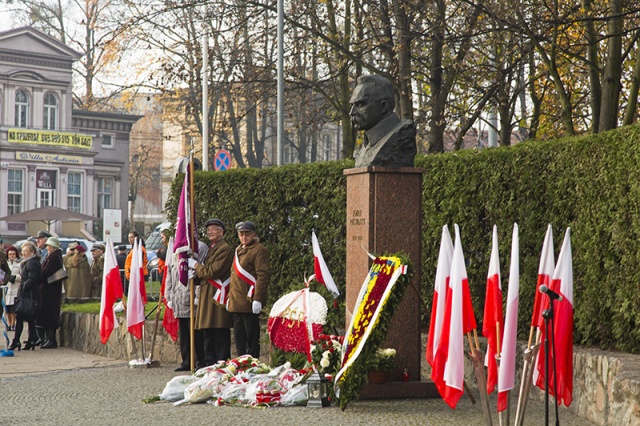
(51, 339)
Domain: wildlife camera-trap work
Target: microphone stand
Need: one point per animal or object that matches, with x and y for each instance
(548, 316)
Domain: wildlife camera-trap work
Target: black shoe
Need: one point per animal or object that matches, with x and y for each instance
(182, 368)
(30, 345)
(38, 342)
(15, 346)
(51, 344)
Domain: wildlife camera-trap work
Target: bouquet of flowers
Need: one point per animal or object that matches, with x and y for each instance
(382, 360)
(326, 353)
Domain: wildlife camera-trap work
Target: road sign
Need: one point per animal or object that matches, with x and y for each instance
(222, 161)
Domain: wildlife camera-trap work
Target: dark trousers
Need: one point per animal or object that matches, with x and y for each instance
(185, 344)
(217, 344)
(246, 331)
(20, 326)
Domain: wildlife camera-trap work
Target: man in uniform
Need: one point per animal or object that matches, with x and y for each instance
(212, 276)
(97, 267)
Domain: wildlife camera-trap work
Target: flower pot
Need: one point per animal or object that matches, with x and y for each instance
(378, 376)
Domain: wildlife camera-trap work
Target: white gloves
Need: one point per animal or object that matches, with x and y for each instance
(192, 263)
(170, 305)
(256, 307)
(192, 273)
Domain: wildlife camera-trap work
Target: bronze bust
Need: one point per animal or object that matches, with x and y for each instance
(388, 140)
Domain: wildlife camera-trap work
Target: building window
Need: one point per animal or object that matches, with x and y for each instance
(22, 109)
(74, 191)
(50, 112)
(326, 147)
(105, 191)
(15, 184)
(107, 141)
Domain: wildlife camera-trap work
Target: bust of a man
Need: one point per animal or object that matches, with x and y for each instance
(388, 140)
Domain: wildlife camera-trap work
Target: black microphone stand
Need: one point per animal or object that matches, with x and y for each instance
(548, 316)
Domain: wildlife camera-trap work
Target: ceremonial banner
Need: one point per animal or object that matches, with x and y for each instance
(185, 230)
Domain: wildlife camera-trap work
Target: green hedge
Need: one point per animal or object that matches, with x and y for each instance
(587, 183)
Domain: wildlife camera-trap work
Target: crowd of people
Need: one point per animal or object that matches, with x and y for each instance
(230, 287)
(36, 276)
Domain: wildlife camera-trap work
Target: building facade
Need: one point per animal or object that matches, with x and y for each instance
(51, 154)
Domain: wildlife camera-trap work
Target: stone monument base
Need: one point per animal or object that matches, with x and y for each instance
(400, 390)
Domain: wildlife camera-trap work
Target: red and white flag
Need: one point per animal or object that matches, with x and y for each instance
(561, 283)
(507, 373)
(137, 293)
(545, 271)
(438, 341)
(111, 291)
(492, 321)
(454, 366)
(320, 268)
(169, 320)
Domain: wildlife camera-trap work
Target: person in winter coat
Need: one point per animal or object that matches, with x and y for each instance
(77, 266)
(51, 293)
(212, 317)
(97, 268)
(179, 299)
(30, 282)
(13, 285)
(248, 289)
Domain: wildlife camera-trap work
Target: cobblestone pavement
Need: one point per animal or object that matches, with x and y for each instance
(67, 387)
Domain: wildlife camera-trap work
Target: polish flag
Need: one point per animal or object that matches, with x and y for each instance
(492, 321)
(561, 283)
(111, 291)
(454, 366)
(434, 357)
(507, 374)
(545, 271)
(169, 320)
(320, 268)
(137, 294)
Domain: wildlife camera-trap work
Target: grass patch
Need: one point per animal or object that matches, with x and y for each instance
(94, 308)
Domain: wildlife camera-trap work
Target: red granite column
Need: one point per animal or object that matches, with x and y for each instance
(384, 215)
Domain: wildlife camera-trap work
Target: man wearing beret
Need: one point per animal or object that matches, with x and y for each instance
(97, 267)
(212, 276)
(248, 289)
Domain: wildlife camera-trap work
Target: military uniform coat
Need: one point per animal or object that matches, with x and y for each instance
(254, 258)
(217, 265)
(97, 268)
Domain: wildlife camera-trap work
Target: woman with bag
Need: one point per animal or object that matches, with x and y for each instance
(13, 256)
(28, 292)
(53, 273)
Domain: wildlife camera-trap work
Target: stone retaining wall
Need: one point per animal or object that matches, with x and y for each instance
(606, 385)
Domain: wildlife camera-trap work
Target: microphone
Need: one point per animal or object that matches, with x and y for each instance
(552, 294)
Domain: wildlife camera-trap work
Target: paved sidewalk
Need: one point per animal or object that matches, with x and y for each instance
(63, 386)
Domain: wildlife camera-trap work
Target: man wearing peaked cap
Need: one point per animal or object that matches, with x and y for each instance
(212, 275)
(245, 227)
(97, 267)
(41, 239)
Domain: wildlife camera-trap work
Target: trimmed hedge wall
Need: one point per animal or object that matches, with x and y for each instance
(588, 183)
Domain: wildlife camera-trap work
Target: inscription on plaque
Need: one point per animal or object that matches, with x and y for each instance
(357, 220)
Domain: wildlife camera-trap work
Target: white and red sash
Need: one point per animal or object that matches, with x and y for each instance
(221, 296)
(244, 275)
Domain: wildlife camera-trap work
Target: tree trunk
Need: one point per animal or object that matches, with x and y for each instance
(612, 70)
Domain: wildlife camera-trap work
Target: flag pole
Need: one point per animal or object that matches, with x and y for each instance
(530, 355)
(477, 357)
(191, 233)
(155, 329)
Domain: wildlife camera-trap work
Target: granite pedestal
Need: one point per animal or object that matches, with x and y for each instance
(384, 216)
